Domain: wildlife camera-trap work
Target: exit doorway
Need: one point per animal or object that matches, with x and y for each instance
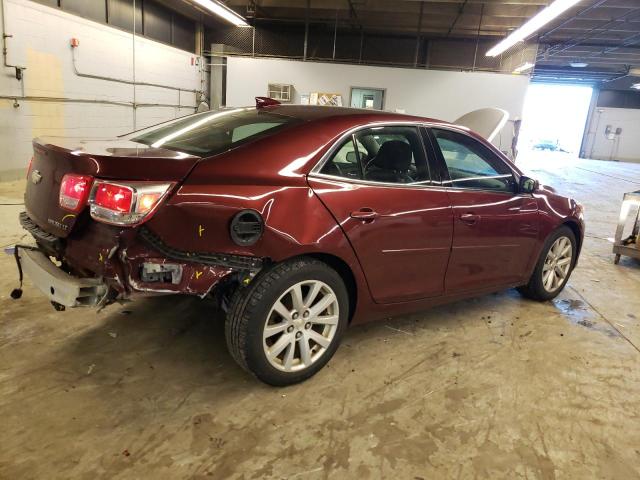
(554, 118)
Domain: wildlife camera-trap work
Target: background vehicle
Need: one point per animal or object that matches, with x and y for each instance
(300, 220)
(550, 145)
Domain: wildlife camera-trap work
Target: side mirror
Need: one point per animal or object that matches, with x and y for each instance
(528, 185)
(351, 157)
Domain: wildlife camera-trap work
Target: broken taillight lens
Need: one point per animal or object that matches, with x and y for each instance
(126, 203)
(74, 191)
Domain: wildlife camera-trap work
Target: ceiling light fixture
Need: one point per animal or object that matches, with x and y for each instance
(534, 24)
(524, 67)
(579, 64)
(636, 86)
(223, 11)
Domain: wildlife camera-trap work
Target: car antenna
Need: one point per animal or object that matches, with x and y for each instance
(262, 102)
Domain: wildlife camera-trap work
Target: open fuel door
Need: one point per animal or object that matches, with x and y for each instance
(486, 122)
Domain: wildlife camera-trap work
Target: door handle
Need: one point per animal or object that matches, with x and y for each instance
(469, 218)
(365, 214)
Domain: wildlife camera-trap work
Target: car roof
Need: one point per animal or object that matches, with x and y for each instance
(359, 115)
(290, 154)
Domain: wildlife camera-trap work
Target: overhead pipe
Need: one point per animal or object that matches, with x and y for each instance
(475, 53)
(128, 82)
(32, 98)
(418, 35)
(306, 29)
(455, 20)
(559, 48)
(335, 36)
(569, 20)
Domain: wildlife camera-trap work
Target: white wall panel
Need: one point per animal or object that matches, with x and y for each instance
(40, 42)
(438, 94)
(623, 147)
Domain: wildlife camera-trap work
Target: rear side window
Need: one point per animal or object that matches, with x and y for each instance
(393, 154)
(344, 162)
(211, 133)
(471, 164)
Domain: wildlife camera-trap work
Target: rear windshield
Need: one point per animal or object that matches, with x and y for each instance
(211, 133)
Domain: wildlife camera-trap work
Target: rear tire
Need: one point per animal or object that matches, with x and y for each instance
(554, 267)
(287, 324)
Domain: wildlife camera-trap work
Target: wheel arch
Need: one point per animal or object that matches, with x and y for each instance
(577, 231)
(345, 272)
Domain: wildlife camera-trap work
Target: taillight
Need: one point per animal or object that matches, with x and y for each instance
(117, 198)
(74, 191)
(126, 203)
(29, 167)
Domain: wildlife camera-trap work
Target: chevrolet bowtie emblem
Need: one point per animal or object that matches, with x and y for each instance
(36, 177)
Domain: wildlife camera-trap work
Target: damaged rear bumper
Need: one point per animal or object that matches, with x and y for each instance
(59, 286)
(125, 263)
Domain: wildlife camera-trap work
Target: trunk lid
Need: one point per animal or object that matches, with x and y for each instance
(117, 159)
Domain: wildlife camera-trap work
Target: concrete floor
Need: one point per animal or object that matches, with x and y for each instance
(496, 387)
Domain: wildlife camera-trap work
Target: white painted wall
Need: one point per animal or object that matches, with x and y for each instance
(432, 93)
(623, 147)
(40, 42)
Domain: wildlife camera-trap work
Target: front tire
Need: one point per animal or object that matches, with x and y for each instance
(556, 262)
(287, 324)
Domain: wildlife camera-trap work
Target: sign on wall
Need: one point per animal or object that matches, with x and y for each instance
(321, 98)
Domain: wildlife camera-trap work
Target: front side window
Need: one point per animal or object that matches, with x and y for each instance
(210, 133)
(471, 164)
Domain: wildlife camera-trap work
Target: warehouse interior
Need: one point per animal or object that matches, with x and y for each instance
(496, 386)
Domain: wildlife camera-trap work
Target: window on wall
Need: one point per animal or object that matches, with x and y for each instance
(153, 20)
(121, 14)
(93, 10)
(157, 22)
(183, 33)
(50, 3)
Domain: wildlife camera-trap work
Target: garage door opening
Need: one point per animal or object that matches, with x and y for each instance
(554, 118)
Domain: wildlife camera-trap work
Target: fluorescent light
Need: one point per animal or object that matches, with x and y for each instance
(524, 67)
(535, 23)
(579, 64)
(223, 11)
(636, 86)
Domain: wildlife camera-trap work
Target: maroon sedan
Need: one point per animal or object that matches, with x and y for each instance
(300, 220)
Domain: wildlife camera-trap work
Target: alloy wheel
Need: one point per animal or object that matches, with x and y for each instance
(557, 264)
(301, 326)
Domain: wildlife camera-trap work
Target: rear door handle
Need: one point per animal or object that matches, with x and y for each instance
(469, 218)
(365, 214)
